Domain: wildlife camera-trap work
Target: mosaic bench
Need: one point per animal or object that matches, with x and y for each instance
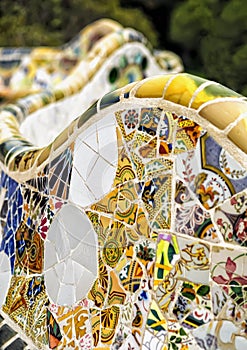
(108, 57)
(125, 55)
(128, 230)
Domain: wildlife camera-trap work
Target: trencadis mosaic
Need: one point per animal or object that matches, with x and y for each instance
(128, 230)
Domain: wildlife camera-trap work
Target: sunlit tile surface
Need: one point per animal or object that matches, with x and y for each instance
(129, 230)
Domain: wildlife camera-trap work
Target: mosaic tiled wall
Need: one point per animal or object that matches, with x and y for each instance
(129, 230)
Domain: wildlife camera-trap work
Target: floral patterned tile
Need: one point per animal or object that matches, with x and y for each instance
(228, 271)
(194, 221)
(212, 179)
(195, 260)
(219, 335)
(231, 219)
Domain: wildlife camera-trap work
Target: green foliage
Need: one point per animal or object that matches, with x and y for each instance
(191, 21)
(212, 34)
(23, 24)
(54, 22)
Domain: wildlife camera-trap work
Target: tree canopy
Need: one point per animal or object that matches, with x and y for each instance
(209, 35)
(212, 35)
(54, 22)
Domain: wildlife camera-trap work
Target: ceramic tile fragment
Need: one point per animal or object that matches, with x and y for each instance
(93, 177)
(192, 220)
(131, 276)
(228, 272)
(210, 172)
(156, 322)
(5, 276)
(167, 257)
(195, 259)
(236, 134)
(230, 219)
(180, 338)
(13, 213)
(187, 134)
(151, 342)
(219, 334)
(60, 173)
(74, 241)
(26, 304)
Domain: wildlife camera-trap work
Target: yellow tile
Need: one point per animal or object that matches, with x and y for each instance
(182, 88)
(153, 87)
(238, 135)
(211, 92)
(221, 114)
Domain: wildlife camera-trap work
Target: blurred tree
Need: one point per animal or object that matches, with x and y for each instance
(53, 22)
(26, 23)
(212, 34)
(159, 11)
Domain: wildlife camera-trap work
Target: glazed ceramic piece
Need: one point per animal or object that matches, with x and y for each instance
(128, 231)
(30, 70)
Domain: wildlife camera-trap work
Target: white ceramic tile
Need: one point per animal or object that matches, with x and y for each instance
(68, 276)
(226, 331)
(84, 159)
(84, 279)
(50, 255)
(101, 178)
(80, 224)
(66, 295)
(95, 160)
(60, 268)
(79, 192)
(57, 235)
(5, 280)
(240, 343)
(85, 255)
(52, 284)
(71, 237)
(90, 137)
(108, 144)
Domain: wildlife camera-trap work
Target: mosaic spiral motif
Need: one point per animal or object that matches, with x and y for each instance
(129, 230)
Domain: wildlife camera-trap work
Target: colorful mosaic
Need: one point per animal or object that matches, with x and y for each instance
(103, 57)
(128, 231)
(25, 71)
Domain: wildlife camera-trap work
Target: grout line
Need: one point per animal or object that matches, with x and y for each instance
(20, 332)
(10, 341)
